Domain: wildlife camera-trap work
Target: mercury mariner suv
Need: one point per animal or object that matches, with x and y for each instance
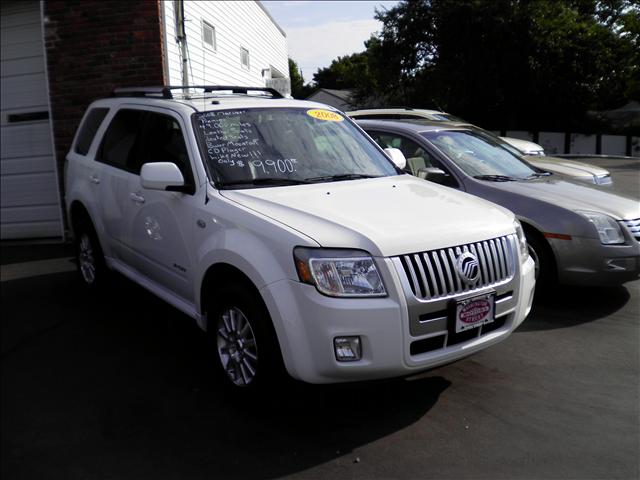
(291, 237)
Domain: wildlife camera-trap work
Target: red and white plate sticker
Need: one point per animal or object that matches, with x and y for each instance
(474, 312)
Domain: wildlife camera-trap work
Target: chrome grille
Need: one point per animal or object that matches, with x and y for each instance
(433, 274)
(634, 227)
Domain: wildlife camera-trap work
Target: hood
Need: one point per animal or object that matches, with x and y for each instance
(574, 196)
(567, 167)
(385, 216)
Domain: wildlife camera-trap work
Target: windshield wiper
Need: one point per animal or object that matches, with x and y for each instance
(496, 178)
(265, 181)
(338, 178)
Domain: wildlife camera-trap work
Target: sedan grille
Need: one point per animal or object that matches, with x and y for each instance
(435, 274)
(634, 227)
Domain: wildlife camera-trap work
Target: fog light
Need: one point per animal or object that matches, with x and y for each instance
(347, 349)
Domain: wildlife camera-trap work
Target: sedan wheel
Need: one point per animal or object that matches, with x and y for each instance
(536, 259)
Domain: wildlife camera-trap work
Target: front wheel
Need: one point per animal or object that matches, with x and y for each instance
(544, 264)
(242, 339)
(237, 346)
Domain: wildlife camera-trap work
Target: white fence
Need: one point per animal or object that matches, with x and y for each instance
(578, 143)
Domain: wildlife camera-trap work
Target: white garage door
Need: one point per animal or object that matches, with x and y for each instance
(29, 194)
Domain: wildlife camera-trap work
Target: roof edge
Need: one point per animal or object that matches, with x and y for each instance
(264, 9)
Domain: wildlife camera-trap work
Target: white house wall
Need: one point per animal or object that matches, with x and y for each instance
(237, 24)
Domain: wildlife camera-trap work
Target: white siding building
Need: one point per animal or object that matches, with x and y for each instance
(227, 43)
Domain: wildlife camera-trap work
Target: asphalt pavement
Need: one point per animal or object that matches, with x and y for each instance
(116, 386)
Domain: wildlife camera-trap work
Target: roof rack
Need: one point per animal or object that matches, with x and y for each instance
(165, 91)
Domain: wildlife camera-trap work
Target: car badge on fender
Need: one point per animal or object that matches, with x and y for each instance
(468, 268)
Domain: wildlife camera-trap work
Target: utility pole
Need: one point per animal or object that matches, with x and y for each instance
(181, 38)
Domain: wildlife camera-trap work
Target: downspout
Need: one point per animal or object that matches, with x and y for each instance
(181, 37)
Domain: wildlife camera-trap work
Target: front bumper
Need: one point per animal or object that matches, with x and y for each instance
(585, 261)
(307, 322)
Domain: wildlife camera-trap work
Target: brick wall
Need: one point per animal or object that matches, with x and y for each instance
(94, 46)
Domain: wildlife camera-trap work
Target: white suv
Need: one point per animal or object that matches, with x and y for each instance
(289, 236)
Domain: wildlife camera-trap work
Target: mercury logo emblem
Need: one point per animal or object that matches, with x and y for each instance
(467, 266)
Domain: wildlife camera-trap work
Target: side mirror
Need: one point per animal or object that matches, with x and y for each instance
(161, 176)
(433, 174)
(396, 157)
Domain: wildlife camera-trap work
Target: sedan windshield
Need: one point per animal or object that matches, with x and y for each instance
(480, 156)
(258, 147)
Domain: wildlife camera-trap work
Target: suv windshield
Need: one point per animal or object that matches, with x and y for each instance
(246, 148)
(479, 155)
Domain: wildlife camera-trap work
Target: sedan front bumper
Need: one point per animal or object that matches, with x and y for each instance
(586, 261)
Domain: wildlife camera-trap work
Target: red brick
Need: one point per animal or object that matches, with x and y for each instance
(92, 46)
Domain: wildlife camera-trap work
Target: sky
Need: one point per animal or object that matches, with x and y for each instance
(320, 31)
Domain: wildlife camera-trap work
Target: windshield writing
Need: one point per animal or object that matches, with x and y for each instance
(248, 146)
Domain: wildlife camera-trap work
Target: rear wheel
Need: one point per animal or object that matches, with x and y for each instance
(89, 256)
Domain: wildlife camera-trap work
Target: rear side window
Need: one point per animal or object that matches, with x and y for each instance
(120, 137)
(89, 128)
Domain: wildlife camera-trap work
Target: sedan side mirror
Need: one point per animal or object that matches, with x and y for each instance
(396, 157)
(433, 174)
(161, 176)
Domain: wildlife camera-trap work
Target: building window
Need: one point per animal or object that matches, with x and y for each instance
(209, 35)
(244, 57)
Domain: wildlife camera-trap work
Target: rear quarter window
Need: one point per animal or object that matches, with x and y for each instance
(88, 129)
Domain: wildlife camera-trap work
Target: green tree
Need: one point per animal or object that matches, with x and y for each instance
(348, 72)
(298, 88)
(507, 63)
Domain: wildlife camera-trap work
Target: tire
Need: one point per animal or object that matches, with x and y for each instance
(242, 340)
(89, 256)
(542, 255)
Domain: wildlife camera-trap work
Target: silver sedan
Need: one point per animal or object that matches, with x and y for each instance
(577, 233)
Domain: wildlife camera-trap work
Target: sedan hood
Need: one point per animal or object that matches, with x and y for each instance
(385, 216)
(574, 196)
(567, 167)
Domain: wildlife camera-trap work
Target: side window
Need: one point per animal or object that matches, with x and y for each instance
(417, 157)
(119, 139)
(161, 140)
(90, 126)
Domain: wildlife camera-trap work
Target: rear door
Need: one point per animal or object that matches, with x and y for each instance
(112, 174)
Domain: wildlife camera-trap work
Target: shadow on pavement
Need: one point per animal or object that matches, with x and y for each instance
(117, 386)
(568, 306)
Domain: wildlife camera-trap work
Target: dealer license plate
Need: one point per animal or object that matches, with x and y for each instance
(473, 312)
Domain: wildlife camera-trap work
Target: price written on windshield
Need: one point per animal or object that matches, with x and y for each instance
(284, 165)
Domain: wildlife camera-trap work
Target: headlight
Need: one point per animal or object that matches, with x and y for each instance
(522, 240)
(608, 229)
(339, 273)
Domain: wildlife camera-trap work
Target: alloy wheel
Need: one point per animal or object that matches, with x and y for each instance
(237, 347)
(86, 259)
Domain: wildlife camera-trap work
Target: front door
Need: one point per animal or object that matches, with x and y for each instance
(160, 223)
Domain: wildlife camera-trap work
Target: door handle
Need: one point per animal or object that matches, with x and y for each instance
(136, 197)
(94, 179)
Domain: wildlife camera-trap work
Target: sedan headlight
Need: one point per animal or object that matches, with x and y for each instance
(608, 229)
(522, 240)
(339, 273)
